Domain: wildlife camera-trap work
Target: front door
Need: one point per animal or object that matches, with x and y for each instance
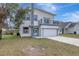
(35, 31)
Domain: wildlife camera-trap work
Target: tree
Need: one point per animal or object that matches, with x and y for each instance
(19, 17)
(6, 10)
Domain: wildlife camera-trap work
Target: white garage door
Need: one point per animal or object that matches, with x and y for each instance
(49, 32)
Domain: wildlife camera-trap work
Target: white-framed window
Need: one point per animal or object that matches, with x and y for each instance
(35, 31)
(25, 29)
(35, 17)
(27, 16)
(46, 20)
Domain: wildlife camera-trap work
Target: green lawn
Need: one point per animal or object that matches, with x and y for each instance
(13, 45)
(71, 35)
(9, 37)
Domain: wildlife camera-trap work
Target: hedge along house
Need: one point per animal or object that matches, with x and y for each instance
(38, 23)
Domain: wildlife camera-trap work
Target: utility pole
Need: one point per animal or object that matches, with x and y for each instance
(31, 18)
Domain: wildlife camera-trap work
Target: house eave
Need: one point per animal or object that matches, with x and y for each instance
(45, 11)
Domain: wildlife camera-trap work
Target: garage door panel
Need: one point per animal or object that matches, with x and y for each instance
(49, 32)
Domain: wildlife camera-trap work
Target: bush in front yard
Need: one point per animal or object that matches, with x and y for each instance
(18, 34)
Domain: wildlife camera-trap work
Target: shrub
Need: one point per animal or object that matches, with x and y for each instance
(18, 34)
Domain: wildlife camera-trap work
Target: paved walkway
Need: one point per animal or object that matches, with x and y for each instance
(73, 41)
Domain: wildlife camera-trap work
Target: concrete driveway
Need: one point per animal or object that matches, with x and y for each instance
(73, 41)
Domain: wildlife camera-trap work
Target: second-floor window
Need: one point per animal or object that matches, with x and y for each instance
(27, 16)
(46, 20)
(35, 17)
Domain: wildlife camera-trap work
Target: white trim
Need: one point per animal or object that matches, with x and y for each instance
(68, 25)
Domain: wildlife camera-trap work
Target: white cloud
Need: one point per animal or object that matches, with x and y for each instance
(72, 17)
(48, 7)
(54, 8)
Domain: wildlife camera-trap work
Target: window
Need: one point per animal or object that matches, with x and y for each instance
(46, 20)
(35, 31)
(27, 16)
(35, 17)
(25, 29)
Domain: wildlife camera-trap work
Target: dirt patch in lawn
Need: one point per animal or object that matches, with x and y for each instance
(34, 50)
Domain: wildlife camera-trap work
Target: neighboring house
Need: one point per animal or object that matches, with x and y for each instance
(68, 28)
(72, 28)
(42, 25)
(62, 26)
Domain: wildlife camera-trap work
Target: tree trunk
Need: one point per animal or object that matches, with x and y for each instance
(0, 34)
(1, 25)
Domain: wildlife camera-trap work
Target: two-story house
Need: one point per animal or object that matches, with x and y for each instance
(42, 24)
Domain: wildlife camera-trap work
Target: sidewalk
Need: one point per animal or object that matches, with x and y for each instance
(73, 41)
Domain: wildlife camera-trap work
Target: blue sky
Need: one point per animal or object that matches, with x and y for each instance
(64, 11)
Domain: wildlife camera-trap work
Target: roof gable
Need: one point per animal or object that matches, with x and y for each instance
(72, 24)
(45, 11)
